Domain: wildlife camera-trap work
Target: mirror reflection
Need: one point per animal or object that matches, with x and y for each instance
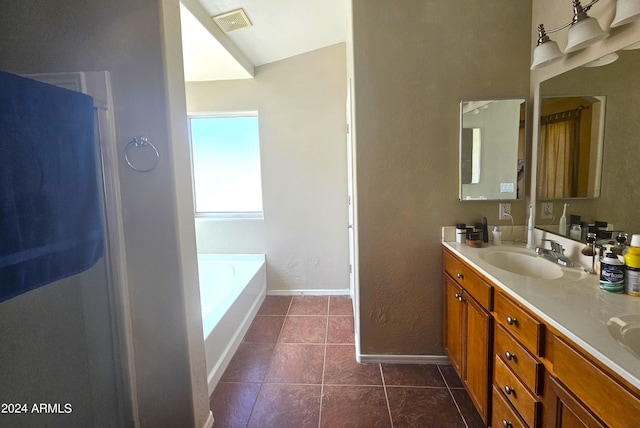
(600, 183)
(570, 147)
(492, 149)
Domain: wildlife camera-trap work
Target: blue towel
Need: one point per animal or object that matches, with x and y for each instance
(50, 214)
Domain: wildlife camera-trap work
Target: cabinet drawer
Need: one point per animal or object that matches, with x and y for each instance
(525, 403)
(503, 416)
(606, 398)
(518, 359)
(519, 323)
(468, 279)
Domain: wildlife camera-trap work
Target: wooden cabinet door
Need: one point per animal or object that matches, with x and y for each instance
(453, 324)
(478, 355)
(563, 410)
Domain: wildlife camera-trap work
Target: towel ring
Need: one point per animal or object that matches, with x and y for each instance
(143, 142)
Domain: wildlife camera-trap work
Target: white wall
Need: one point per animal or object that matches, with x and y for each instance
(301, 105)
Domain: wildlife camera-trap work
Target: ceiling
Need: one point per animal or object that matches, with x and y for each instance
(281, 29)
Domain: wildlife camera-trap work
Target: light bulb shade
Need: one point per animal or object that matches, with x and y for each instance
(605, 60)
(545, 54)
(626, 11)
(584, 33)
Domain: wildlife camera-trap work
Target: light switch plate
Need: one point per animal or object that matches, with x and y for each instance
(507, 187)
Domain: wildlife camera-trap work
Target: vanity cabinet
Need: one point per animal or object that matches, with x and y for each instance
(468, 329)
(519, 370)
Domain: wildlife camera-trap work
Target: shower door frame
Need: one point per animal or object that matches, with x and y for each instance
(97, 84)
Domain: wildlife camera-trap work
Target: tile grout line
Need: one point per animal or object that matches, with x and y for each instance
(386, 396)
(262, 383)
(455, 402)
(324, 360)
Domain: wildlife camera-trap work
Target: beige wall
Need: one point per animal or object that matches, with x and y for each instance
(126, 38)
(414, 63)
(301, 105)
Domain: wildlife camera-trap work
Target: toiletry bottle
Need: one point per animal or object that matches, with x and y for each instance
(530, 244)
(562, 226)
(611, 273)
(620, 247)
(485, 230)
(497, 235)
(632, 267)
(461, 233)
(575, 232)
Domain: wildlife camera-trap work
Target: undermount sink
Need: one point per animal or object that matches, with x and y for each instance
(529, 264)
(523, 264)
(626, 330)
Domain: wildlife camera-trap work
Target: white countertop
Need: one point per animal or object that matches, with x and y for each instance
(578, 309)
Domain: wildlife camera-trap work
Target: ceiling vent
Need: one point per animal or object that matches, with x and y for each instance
(230, 21)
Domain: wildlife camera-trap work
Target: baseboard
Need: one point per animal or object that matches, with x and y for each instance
(209, 421)
(403, 359)
(313, 292)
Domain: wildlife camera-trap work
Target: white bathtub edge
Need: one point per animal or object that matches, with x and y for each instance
(216, 373)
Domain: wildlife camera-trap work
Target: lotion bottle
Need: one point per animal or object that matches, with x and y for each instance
(562, 227)
(497, 236)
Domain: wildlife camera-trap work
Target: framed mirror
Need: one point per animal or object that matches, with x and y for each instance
(492, 149)
(606, 165)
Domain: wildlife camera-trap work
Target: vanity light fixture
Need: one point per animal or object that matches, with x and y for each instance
(626, 11)
(584, 31)
(604, 60)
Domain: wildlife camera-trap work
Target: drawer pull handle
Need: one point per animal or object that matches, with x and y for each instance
(459, 275)
(511, 320)
(509, 356)
(459, 297)
(508, 390)
(506, 424)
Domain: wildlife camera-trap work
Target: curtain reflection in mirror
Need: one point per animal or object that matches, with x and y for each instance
(559, 154)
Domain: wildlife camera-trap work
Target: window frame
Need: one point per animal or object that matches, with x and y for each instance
(224, 215)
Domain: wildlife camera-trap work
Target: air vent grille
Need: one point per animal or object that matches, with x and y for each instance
(230, 21)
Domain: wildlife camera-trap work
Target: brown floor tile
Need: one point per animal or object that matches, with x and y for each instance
(286, 406)
(340, 305)
(450, 376)
(275, 305)
(264, 329)
(423, 407)
(232, 403)
(341, 368)
(296, 363)
(250, 363)
(309, 305)
(296, 368)
(412, 375)
(340, 329)
(304, 329)
(353, 407)
(468, 410)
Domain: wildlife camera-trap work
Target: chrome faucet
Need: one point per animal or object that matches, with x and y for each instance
(554, 254)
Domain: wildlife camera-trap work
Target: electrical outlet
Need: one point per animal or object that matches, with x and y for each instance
(547, 210)
(504, 212)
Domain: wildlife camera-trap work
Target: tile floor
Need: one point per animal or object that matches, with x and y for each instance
(296, 368)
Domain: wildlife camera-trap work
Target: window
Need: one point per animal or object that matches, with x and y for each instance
(226, 165)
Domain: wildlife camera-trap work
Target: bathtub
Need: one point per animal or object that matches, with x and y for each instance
(232, 288)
